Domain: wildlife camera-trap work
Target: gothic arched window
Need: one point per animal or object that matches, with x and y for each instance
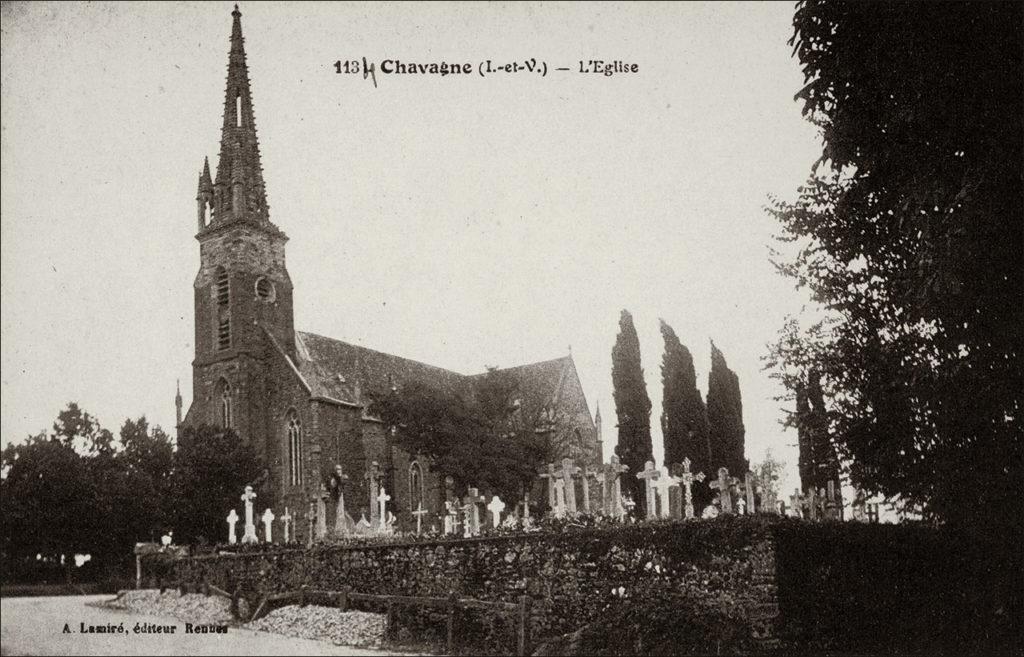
(224, 397)
(294, 430)
(415, 486)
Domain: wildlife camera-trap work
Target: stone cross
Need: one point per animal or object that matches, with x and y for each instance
(796, 502)
(342, 522)
(567, 473)
(687, 478)
(419, 516)
(549, 474)
(724, 484)
(649, 475)
(615, 468)
(451, 518)
(232, 519)
(287, 520)
(559, 507)
(382, 501)
(268, 523)
(467, 508)
(321, 511)
(250, 523)
(663, 486)
(372, 476)
(587, 474)
(602, 478)
(748, 484)
(496, 507)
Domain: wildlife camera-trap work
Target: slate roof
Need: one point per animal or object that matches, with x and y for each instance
(346, 372)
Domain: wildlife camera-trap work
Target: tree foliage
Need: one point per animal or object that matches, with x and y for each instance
(632, 407)
(909, 235)
(684, 418)
(725, 416)
(489, 442)
(212, 467)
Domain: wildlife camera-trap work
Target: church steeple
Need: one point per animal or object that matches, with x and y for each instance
(239, 193)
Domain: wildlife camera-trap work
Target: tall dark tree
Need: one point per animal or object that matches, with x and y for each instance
(684, 418)
(211, 469)
(910, 236)
(632, 407)
(818, 461)
(725, 415)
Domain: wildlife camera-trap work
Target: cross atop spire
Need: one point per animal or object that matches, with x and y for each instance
(238, 191)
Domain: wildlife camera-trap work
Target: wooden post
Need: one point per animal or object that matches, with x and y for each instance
(523, 643)
(452, 603)
(389, 623)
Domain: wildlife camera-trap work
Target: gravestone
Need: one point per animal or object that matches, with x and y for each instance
(232, 520)
(601, 477)
(568, 473)
(287, 520)
(687, 478)
(748, 488)
(419, 512)
(321, 512)
(724, 484)
(615, 470)
(662, 486)
(372, 476)
(559, 507)
(649, 475)
(343, 523)
(451, 517)
(796, 503)
(250, 524)
(496, 507)
(675, 502)
(549, 474)
(382, 503)
(587, 473)
(741, 506)
(268, 524)
(363, 526)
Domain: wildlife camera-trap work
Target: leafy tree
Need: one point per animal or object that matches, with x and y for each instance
(769, 473)
(48, 500)
(80, 430)
(211, 469)
(909, 235)
(486, 442)
(684, 419)
(633, 408)
(725, 416)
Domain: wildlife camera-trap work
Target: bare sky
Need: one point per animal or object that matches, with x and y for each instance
(461, 221)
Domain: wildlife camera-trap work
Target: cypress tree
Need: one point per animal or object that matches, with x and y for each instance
(684, 419)
(632, 407)
(725, 415)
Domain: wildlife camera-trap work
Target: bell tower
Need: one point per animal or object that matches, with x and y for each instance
(242, 291)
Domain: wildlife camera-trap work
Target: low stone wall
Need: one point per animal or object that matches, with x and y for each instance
(572, 577)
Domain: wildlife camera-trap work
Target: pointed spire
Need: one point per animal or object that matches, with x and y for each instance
(597, 415)
(239, 191)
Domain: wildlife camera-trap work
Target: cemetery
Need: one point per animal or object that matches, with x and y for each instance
(746, 574)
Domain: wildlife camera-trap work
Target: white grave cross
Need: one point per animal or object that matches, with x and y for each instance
(268, 523)
(287, 520)
(649, 475)
(382, 501)
(250, 523)
(496, 507)
(419, 516)
(687, 478)
(232, 520)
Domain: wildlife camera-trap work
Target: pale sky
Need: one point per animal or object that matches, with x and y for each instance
(461, 221)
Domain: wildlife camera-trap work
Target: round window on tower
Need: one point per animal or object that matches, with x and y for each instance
(264, 289)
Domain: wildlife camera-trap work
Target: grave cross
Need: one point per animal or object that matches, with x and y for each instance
(559, 507)
(687, 478)
(382, 501)
(724, 484)
(663, 487)
(268, 523)
(496, 507)
(587, 474)
(372, 476)
(748, 485)
(419, 516)
(250, 523)
(321, 511)
(567, 473)
(468, 506)
(549, 474)
(287, 520)
(615, 468)
(232, 519)
(649, 475)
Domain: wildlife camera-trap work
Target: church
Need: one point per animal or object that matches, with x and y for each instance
(302, 399)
